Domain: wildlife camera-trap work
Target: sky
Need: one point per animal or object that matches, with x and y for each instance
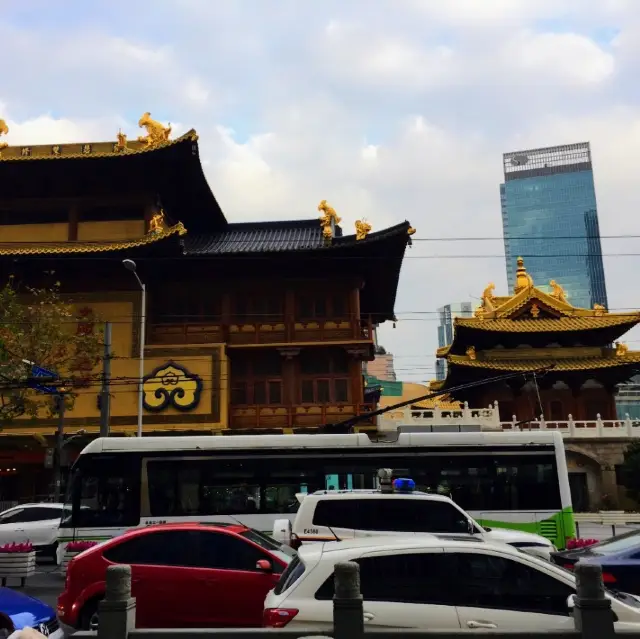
(391, 110)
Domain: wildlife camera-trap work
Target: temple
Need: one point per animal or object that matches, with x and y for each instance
(569, 359)
(261, 327)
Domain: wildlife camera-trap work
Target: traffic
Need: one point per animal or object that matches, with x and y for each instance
(245, 532)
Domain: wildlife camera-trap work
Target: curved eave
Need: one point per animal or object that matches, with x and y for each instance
(61, 249)
(529, 365)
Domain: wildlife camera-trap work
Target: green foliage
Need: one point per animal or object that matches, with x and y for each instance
(37, 325)
(630, 470)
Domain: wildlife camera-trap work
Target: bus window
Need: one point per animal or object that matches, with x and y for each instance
(104, 494)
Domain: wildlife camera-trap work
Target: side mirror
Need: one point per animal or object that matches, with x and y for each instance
(264, 565)
(571, 602)
(471, 528)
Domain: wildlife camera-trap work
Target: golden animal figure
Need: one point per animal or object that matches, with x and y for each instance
(557, 291)
(487, 297)
(411, 231)
(4, 130)
(621, 349)
(471, 352)
(121, 144)
(599, 309)
(156, 132)
(363, 229)
(330, 216)
(156, 224)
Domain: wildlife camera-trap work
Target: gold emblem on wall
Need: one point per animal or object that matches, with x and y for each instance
(171, 385)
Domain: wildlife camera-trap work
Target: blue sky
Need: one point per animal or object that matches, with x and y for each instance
(389, 109)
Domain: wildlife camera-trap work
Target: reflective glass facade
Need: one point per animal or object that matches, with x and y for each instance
(445, 330)
(550, 218)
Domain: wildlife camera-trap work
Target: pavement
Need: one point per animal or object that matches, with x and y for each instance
(48, 583)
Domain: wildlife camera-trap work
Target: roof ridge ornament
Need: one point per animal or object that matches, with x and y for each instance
(363, 228)
(523, 279)
(157, 133)
(4, 130)
(156, 223)
(558, 292)
(328, 221)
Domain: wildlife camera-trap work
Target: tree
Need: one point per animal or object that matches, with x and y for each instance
(630, 470)
(37, 325)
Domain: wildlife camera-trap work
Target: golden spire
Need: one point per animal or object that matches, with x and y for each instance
(4, 129)
(523, 279)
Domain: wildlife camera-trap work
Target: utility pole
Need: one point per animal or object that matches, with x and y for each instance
(57, 460)
(105, 394)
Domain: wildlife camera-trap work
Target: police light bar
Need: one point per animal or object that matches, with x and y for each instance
(404, 485)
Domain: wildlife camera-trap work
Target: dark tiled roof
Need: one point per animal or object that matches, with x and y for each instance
(258, 237)
(276, 237)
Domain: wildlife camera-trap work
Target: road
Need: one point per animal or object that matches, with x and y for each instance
(48, 583)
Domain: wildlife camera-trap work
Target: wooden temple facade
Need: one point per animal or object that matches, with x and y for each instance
(261, 326)
(566, 360)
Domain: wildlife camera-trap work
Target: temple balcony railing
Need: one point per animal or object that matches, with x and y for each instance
(488, 419)
(296, 416)
(263, 332)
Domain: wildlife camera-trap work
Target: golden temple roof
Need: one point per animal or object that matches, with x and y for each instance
(547, 325)
(59, 248)
(560, 364)
(158, 137)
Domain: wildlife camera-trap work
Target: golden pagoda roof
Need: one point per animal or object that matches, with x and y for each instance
(560, 364)
(59, 248)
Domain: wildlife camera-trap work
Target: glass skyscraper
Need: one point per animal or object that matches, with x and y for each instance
(550, 218)
(445, 330)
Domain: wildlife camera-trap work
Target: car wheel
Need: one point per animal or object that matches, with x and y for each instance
(89, 615)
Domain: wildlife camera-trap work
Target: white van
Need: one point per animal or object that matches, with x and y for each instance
(393, 509)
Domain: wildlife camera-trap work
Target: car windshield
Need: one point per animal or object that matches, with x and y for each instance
(261, 540)
(628, 541)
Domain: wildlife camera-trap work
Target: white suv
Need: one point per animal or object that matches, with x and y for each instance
(328, 515)
(37, 523)
(437, 584)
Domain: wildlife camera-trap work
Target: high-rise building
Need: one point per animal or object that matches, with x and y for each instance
(445, 330)
(382, 366)
(550, 217)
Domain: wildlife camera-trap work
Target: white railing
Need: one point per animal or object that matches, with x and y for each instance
(616, 428)
(463, 419)
(487, 419)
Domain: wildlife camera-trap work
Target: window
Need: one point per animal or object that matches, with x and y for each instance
(421, 578)
(256, 380)
(334, 306)
(487, 581)
(226, 552)
(324, 376)
(251, 308)
(13, 516)
(556, 411)
(292, 573)
(215, 486)
(391, 515)
(179, 303)
(105, 491)
(170, 548)
(36, 514)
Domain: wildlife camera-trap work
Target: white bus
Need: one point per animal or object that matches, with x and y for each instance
(512, 480)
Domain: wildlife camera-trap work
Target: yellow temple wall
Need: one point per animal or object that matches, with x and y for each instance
(209, 364)
(119, 230)
(58, 232)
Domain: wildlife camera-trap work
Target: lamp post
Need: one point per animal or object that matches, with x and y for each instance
(130, 265)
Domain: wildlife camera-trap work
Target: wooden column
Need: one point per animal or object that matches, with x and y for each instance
(289, 313)
(357, 355)
(290, 379)
(74, 216)
(354, 310)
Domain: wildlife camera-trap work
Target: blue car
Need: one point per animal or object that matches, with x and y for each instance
(619, 557)
(18, 611)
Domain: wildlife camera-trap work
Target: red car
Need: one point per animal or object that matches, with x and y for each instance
(183, 575)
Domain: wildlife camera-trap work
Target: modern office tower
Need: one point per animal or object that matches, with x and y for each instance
(445, 330)
(382, 366)
(550, 217)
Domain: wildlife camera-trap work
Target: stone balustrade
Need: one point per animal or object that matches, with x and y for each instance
(488, 419)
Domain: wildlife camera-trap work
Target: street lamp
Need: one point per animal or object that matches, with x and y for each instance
(130, 265)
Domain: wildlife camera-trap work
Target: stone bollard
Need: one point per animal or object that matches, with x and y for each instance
(348, 621)
(117, 611)
(592, 612)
